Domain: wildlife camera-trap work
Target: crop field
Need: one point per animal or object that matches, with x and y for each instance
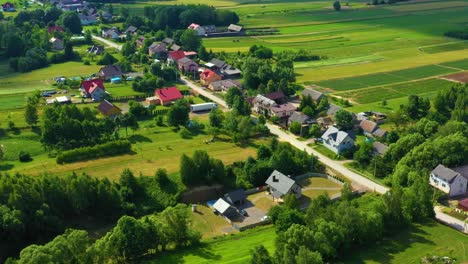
(461, 77)
(428, 88)
(385, 78)
(462, 64)
(446, 47)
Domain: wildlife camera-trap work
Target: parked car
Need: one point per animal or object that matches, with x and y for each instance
(265, 218)
(244, 212)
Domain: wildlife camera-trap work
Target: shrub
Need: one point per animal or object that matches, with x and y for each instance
(103, 150)
(24, 156)
(185, 133)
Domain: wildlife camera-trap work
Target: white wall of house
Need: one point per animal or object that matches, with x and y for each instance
(457, 187)
(347, 143)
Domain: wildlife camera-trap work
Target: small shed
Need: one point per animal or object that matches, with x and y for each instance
(153, 100)
(224, 208)
(116, 80)
(236, 197)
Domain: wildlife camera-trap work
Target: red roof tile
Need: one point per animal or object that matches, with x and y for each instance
(90, 86)
(208, 74)
(54, 28)
(176, 55)
(168, 94)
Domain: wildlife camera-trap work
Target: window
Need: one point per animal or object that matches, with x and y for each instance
(443, 185)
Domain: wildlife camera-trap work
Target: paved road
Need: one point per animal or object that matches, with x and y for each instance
(108, 43)
(203, 92)
(450, 221)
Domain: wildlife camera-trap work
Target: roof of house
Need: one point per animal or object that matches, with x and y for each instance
(221, 205)
(379, 132)
(96, 49)
(335, 134)
(63, 99)
(332, 109)
(231, 71)
(131, 29)
(445, 173)
(110, 31)
(218, 63)
(283, 107)
(207, 74)
(260, 99)
(111, 70)
(280, 182)
(325, 120)
(234, 27)
(228, 83)
(176, 55)
(176, 47)
(87, 85)
(368, 126)
(379, 148)
(209, 28)
(185, 60)
(168, 41)
(315, 95)
(463, 203)
(463, 170)
(275, 95)
(190, 53)
(157, 46)
(105, 107)
(299, 117)
(234, 196)
(168, 94)
(51, 29)
(53, 39)
(193, 26)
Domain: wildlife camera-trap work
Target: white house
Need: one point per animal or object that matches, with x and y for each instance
(451, 181)
(281, 185)
(336, 140)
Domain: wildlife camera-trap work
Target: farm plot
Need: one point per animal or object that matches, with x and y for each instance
(446, 47)
(427, 6)
(461, 77)
(377, 79)
(461, 64)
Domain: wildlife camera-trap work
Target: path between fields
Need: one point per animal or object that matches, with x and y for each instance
(108, 42)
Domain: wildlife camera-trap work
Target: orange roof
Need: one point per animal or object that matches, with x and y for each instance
(208, 74)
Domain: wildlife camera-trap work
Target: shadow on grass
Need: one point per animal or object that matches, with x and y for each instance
(204, 251)
(384, 251)
(5, 167)
(138, 138)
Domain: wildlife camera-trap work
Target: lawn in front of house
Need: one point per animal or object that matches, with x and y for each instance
(210, 225)
(325, 151)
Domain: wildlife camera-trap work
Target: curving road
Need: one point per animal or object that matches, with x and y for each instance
(108, 42)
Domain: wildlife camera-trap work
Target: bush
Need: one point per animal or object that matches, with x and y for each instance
(185, 133)
(24, 156)
(103, 150)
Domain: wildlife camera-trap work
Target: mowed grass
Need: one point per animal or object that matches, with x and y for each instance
(385, 78)
(230, 249)
(409, 246)
(461, 64)
(378, 94)
(12, 101)
(157, 147)
(209, 224)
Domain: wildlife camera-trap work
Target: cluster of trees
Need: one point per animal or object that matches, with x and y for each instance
(67, 126)
(98, 151)
(328, 230)
(300, 55)
(201, 169)
(457, 34)
(35, 208)
(158, 76)
(382, 2)
(129, 240)
(276, 156)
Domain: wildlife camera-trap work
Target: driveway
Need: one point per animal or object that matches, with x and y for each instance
(108, 43)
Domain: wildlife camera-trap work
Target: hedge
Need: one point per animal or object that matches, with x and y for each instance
(103, 150)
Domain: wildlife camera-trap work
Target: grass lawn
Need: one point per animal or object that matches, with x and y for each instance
(410, 245)
(229, 249)
(325, 151)
(209, 224)
(364, 172)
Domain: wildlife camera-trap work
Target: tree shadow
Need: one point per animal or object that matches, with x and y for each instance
(138, 138)
(3, 133)
(177, 256)
(6, 167)
(36, 130)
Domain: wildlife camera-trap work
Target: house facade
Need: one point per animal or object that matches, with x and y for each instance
(93, 89)
(112, 33)
(336, 140)
(280, 185)
(262, 104)
(110, 71)
(108, 109)
(450, 181)
(187, 65)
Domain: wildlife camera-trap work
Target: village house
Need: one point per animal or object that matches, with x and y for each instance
(223, 68)
(224, 208)
(93, 89)
(236, 197)
(262, 104)
(187, 65)
(378, 148)
(53, 29)
(96, 49)
(112, 33)
(174, 56)
(325, 122)
(168, 95)
(108, 109)
(57, 44)
(280, 185)
(199, 29)
(106, 16)
(315, 95)
(110, 71)
(224, 85)
(130, 30)
(140, 41)
(234, 28)
(87, 19)
(176, 47)
(157, 50)
(209, 76)
(8, 7)
(282, 110)
(332, 109)
(71, 5)
(371, 129)
(300, 118)
(336, 140)
(453, 182)
(168, 41)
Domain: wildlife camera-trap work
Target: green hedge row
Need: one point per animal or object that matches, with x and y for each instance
(103, 150)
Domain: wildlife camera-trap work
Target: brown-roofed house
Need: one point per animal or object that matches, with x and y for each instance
(283, 110)
(224, 85)
(108, 109)
(187, 65)
(209, 76)
(157, 50)
(110, 71)
(315, 95)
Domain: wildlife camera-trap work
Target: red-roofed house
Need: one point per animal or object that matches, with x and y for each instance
(209, 76)
(8, 7)
(52, 29)
(93, 88)
(168, 95)
(174, 56)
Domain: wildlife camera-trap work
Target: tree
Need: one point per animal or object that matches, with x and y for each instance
(107, 59)
(187, 170)
(190, 40)
(263, 152)
(260, 255)
(124, 12)
(71, 21)
(295, 128)
(315, 131)
(178, 113)
(337, 5)
(231, 95)
(305, 256)
(417, 107)
(364, 154)
(30, 114)
(216, 118)
(344, 119)
(203, 53)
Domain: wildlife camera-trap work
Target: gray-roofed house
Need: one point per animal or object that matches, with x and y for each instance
(450, 181)
(372, 129)
(281, 185)
(168, 41)
(299, 117)
(315, 95)
(176, 47)
(187, 65)
(110, 71)
(234, 28)
(236, 197)
(224, 85)
(131, 30)
(336, 140)
(157, 49)
(218, 64)
(87, 19)
(378, 148)
(282, 110)
(332, 109)
(209, 29)
(224, 208)
(96, 49)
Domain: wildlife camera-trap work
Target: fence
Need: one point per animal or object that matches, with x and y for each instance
(126, 98)
(242, 228)
(334, 179)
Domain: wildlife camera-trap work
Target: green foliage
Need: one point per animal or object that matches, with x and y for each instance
(295, 128)
(178, 114)
(201, 169)
(190, 40)
(106, 59)
(260, 255)
(216, 118)
(337, 6)
(417, 107)
(364, 154)
(71, 21)
(24, 156)
(344, 119)
(108, 149)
